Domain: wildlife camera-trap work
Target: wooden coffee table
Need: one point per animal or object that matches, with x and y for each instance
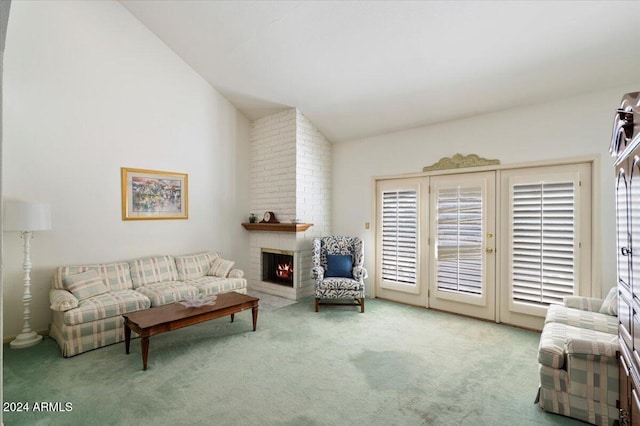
(160, 319)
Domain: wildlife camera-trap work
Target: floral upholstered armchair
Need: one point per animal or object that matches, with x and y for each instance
(338, 270)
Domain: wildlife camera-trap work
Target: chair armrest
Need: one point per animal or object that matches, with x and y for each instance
(317, 273)
(601, 346)
(236, 273)
(62, 300)
(359, 273)
(591, 304)
(592, 368)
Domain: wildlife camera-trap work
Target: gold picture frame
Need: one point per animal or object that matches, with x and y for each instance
(154, 194)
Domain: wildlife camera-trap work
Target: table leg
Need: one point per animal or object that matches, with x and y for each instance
(145, 352)
(232, 317)
(254, 312)
(127, 338)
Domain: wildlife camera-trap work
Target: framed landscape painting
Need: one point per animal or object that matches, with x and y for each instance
(152, 194)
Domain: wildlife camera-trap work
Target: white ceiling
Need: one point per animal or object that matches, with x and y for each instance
(361, 68)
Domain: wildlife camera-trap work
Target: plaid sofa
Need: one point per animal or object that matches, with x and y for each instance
(579, 374)
(87, 312)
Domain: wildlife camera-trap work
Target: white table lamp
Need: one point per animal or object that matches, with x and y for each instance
(26, 218)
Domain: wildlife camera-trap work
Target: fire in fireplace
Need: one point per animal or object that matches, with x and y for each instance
(277, 266)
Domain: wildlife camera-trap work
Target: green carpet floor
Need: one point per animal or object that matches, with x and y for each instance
(392, 365)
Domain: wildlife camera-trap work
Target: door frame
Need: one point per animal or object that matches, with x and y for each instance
(483, 306)
(416, 296)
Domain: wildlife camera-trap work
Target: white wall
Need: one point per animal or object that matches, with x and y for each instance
(89, 90)
(567, 128)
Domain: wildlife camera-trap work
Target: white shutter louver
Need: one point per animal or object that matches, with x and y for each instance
(400, 236)
(543, 242)
(459, 240)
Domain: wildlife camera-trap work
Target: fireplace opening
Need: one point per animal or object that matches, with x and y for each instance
(277, 266)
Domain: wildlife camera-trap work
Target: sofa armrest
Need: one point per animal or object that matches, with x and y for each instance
(236, 273)
(62, 300)
(317, 273)
(599, 347)
(359, 273)
(592, 368)
(591, 304)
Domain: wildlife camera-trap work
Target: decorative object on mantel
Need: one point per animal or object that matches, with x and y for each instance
(26, 218)
(269, 217)
(152, 194)
(277, 227)
(459, 161)
(253, 218)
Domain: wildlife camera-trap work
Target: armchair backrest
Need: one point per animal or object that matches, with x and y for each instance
(337, 245)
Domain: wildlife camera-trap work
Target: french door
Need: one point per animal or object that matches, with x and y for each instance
(546, 240)
(438, 243)
(463, 244)
(453, 238)
(401, 253)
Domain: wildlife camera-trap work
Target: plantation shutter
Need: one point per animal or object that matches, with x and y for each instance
(400, 236)
(459, 239)
(543, 242)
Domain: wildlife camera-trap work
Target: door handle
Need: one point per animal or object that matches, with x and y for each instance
(489, 250)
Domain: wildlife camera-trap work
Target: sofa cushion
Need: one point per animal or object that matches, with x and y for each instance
(209, 286)
(592, 304)
(610, 303)
(85, 284)
(194, 266)
(116, 275)
(551, 351)
(167, 292)
(152, 270)
(220, 267)
(337, 283)
(582, 319)
(106, 305)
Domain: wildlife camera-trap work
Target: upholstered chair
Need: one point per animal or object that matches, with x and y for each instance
(338, 270)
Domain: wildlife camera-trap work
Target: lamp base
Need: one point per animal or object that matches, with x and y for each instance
(24, 340)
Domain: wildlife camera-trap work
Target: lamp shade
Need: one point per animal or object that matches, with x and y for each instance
(21, 216)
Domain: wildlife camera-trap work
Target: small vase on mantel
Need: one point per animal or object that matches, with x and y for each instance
(253, 218)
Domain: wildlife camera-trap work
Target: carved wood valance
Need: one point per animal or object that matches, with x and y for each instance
(459, 161)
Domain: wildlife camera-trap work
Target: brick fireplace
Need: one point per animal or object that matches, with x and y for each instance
(290, 175)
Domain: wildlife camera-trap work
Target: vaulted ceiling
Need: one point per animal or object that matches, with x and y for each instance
(361, 68)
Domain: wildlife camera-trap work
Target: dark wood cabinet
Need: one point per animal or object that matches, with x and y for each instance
(625, 147)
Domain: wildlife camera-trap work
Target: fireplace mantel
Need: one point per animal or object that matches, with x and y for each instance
(277, 227)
